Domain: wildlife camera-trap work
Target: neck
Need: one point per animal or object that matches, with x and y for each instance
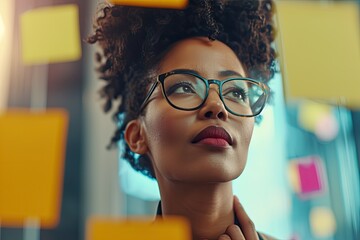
(208, 207)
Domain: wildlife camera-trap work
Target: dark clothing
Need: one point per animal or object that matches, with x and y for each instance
(159, 213)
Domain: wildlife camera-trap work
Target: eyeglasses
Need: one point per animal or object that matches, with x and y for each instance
(188, 91)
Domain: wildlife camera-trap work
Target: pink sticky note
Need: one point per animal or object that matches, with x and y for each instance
(310, 175)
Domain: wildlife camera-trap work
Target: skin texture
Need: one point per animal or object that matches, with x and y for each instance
(169, 131)
(195, 179)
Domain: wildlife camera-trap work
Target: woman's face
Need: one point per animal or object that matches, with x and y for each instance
(172, 136)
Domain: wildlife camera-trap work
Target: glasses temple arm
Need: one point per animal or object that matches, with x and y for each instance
(260, 102)
(151, 90)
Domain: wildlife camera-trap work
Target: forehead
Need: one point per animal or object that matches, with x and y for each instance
(200, 54)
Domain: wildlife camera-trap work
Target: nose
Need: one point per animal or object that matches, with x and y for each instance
(213, 107)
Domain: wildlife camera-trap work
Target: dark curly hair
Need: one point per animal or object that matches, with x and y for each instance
(133, 40)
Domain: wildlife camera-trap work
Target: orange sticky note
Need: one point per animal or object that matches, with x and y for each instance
(102, 228)
(51, 35)
(32, 152)
(178, 4)
(319, 45)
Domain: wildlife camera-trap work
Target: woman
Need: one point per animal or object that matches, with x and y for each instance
(190, 83)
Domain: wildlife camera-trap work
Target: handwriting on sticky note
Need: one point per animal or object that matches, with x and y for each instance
(51, 35)
(32, 153)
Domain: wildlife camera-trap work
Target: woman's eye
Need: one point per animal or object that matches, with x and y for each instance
(236, 94)
(181, 88)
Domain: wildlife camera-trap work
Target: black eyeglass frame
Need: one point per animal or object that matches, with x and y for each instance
(161, 78)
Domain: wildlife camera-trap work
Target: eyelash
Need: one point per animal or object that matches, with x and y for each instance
(243, 93)
(173, 88)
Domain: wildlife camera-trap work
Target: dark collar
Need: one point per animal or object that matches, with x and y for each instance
(159, 214)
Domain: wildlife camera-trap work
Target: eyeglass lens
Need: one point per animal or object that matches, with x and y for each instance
(240, 96)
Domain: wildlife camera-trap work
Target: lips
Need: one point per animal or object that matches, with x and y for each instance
(217, 134)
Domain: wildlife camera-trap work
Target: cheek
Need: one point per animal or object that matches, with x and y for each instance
(245, 131)
(248, 130)
(165, 126)
(166, 138)
(161, 128)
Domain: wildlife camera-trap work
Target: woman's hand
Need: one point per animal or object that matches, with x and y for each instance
(246, 231)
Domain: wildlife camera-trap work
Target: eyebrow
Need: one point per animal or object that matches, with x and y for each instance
(228, 73)
(223, 73)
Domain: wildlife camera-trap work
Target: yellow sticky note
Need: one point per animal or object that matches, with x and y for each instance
(293, 177)
(319, 45)
(32, 152)
(179, 4)
(322, 222)
(51, 35)
(102, 228)
(2, 28)
(310, 113)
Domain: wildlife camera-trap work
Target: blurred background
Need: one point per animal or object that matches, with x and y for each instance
(302, 177)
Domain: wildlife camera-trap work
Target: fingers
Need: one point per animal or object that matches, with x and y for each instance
(247, 226)
(224, 237)
(234, 232)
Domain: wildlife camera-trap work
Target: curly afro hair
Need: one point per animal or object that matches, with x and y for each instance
(133, 40)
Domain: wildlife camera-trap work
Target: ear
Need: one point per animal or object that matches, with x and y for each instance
(135, 137)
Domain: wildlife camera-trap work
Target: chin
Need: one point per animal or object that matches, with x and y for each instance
(226, 177)
(213, 176)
